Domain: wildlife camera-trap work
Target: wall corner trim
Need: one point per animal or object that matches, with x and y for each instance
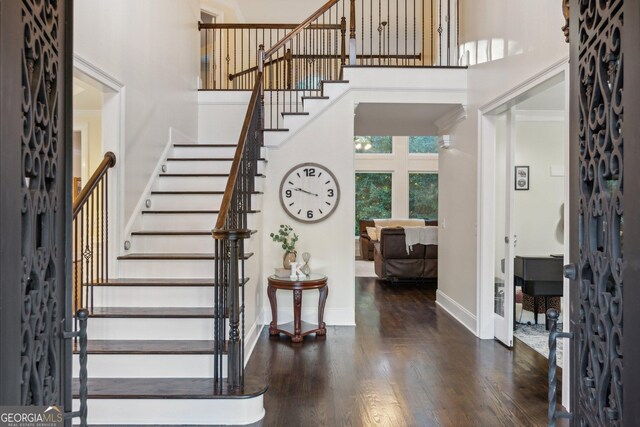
(461, 314)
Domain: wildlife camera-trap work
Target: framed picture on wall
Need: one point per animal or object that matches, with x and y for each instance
(522, 178)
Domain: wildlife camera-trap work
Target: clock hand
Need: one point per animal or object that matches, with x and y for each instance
(305, 191)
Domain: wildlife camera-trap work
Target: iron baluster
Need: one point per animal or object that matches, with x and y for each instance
(552, 323)
(82, 315)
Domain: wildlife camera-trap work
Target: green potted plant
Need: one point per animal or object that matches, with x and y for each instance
(287, 239)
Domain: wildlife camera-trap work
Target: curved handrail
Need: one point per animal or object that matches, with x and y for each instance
(300, 27)
(237, 158)
(107, 162)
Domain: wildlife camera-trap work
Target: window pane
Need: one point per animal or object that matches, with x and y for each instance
(373, 196)
(423, 144)
(373, 144)
(423, 195)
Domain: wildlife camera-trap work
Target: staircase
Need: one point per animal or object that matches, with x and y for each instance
(151, 353)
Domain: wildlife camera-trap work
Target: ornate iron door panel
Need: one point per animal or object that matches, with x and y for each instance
(597, 150)
(36, 185)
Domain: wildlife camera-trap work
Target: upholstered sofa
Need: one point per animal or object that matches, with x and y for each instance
(392, 262)
(369, 237)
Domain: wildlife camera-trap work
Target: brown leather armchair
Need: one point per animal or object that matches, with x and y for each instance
(366, 244)
(392, 262)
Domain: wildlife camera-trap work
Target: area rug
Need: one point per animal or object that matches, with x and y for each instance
(365, 269)
(536, 337)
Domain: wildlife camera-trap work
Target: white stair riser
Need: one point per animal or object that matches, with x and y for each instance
(174, 411)
(202, 166)
(199, 166)
(204, 151)
(334, 90)
(292, 122)
(131, 328)
(199, 183)
(191, 201)
(274, 139)
(207, 151)
(170, 269)
(185, 222)
(177, 244)
(153, 296)
(149, 365)
(312, 106)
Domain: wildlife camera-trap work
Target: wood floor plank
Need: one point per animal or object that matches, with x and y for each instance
(406, 363)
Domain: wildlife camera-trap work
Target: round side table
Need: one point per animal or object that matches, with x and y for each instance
(297, 329)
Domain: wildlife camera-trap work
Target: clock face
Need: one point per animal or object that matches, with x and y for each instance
(309, 192)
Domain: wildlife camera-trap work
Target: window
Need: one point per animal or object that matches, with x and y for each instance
(207, 64)
(373, 196)
(423, 144)
(423, 195)
(373, 144)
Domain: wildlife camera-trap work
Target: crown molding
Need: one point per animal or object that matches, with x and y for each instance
(448, 122)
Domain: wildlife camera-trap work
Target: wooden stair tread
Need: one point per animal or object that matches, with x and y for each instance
(188, 212)
(175, 256)
(196, 192)
(149, 347)
(205, 159)
(153, 312)
(294, 113)
(165, 388)
(334, 81)
(187, 283)
(205, 145)
(275, 130)
(314, 97)
(176, 233)
(200, 175)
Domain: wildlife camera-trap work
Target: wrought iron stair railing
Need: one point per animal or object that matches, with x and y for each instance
(90, 249)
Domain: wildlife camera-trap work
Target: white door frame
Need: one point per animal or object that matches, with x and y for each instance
(486, 202)
(113, 137)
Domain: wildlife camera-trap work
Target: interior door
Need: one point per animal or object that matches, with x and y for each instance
(504, 226)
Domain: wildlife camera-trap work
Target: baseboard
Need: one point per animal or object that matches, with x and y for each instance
(251, 338)
(458, 312)
(175, 136)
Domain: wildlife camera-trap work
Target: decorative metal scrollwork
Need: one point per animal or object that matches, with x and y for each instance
(599, 323)
(42, 271)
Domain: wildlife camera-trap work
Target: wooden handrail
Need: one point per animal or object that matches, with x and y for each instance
(237, 158)
(107, 162)
(247, 26)
(301, 27)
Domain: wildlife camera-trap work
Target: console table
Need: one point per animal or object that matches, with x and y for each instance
(297, 329)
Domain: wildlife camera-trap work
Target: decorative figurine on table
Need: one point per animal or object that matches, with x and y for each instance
(306, 256)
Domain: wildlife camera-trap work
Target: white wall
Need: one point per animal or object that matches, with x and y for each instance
(540, 145)
(526, 39)
(151, 46)
(329, 242)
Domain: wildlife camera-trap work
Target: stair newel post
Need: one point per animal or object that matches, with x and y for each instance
(352, 33)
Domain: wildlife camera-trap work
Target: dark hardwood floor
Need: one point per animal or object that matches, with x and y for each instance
(406, 363)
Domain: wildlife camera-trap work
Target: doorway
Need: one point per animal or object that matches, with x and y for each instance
(523, 209)
(98, 127)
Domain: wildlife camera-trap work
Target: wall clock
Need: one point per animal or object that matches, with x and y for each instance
(309, 192)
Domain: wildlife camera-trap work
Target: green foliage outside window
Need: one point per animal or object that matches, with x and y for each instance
(373, 144)
(373, 197)
(423, 195)
(423, 144)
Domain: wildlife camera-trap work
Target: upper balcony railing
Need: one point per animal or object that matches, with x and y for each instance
(398, 33)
